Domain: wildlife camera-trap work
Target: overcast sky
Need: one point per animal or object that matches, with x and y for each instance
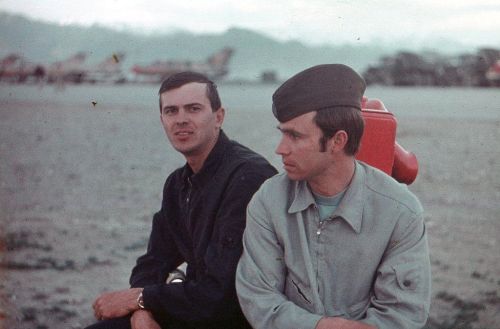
(473, 22)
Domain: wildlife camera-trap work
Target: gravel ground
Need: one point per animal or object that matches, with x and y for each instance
(79, 185)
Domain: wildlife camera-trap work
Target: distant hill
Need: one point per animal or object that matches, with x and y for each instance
(254, 53)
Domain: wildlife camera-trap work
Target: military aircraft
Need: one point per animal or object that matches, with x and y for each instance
(493, 74)
(71, 69)
(74, 69)
(15, 68)
(108, 70)
(215, 67)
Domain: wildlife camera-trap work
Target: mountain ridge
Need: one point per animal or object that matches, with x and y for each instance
(255, 52)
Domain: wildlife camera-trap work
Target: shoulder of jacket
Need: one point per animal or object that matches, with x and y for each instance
(239, 157)
(276, 185)
(387, 187)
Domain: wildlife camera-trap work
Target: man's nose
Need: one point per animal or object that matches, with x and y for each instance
(282, 148)
(182, 117)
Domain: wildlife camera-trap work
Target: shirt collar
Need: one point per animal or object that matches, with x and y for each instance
(212, 161)
(350, 208)
(352, 204)
(302, 197)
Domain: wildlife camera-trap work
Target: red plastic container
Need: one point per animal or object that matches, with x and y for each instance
(379, 147)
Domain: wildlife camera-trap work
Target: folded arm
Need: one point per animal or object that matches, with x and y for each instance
(211, 295)
(261, 275)
(402, 288)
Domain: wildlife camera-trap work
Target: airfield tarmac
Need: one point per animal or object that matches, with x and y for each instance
(79, 184)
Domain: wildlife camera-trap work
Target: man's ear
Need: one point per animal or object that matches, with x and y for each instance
(219, 116)
(338, 141)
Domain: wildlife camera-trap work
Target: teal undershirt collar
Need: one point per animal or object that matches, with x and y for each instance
(327, 204)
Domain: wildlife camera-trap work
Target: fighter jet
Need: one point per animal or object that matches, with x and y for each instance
(215, 67)
(108, 71)
(493, 74)
(68, 70)
(16, 69)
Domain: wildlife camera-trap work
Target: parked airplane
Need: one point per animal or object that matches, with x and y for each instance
(74, 69)
(68, 70)
(108, 70)
(14, 68)
(215, 67)
(493, 74)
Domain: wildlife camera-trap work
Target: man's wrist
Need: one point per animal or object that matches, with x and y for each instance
(140, 300)
(339, 322)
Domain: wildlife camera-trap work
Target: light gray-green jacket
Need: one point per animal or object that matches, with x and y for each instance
(369, 262)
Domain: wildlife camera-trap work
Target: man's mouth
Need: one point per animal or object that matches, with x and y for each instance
(183, 133)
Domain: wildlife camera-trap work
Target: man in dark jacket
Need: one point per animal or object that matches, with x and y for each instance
(201, 221)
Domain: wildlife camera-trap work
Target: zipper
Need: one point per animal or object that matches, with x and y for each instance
(188, 197)
(321, 224)
(188, 221)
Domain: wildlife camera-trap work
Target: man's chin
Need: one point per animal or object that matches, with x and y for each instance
(292, 176)
(184, 149)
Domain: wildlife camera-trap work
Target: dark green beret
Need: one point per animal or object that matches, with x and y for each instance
(316, 88)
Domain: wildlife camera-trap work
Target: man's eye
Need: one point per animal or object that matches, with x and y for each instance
(195, 109)
(169, 111)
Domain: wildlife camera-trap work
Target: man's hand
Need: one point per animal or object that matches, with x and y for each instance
(143, 319)
(116, 304)
(341, 323)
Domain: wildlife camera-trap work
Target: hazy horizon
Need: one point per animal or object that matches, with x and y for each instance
(419, 24)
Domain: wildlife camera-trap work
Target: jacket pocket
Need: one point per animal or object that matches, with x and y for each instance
(412, 290)
(299, 293)
(408, 276)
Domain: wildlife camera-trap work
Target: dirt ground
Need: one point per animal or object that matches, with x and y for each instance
(78, 187)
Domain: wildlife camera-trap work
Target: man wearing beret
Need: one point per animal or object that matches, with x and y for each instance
(333, 242)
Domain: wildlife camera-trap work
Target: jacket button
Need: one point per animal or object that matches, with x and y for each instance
(406, 283)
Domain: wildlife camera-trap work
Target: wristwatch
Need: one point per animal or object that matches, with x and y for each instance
(140, 301)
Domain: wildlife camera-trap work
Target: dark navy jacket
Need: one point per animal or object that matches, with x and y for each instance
(201, 222)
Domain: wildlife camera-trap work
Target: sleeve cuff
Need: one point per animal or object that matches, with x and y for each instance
(150, 295)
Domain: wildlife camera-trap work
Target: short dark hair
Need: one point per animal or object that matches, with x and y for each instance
(349, 119)
(180, 79)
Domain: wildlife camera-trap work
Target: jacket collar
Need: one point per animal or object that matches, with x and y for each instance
(350, 208)
(211, 162)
